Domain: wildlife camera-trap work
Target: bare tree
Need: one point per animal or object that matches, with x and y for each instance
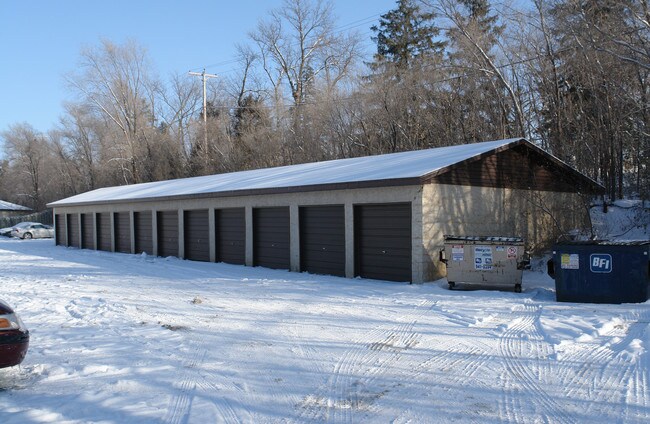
(115, 81)
(298, 44)
(474, 34)
(28, 152)
(78, 142)
(182, 100)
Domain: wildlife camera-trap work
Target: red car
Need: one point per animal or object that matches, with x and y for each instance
(14, 337)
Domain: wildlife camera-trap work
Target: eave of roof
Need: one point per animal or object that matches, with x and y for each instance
(8, 206)
(396, 169)
(584, 181)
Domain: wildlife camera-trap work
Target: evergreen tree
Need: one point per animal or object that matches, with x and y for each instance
(479, 13)
(596, 119)
(405, 34)
(249, 115)
(484, 98)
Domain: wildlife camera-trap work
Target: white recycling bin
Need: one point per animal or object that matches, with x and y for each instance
(485, 260)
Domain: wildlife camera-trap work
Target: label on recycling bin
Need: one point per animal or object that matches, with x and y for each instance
(570, 261)
(483, 258)
(600, 262)
(457, 253)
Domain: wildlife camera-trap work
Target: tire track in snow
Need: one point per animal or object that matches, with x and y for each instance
(181, 404)
(637, 395)
(524, 352)
(180, 407)
(632, 381)
(637, 404)
(350, 388)
(461, 361)
(610, 373)
(359, 366)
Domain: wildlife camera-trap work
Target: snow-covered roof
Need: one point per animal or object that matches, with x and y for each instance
(8, 206)
(379, 169)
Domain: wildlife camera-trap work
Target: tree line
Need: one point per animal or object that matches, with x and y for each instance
(569, 75)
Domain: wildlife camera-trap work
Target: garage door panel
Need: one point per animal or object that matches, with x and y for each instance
(379, 243)
(143, 232)
(271, 237)
(273, 250)
(73, 230)
(396, 223)
(280, 245)
(323, 262)
(318, 247)
(197, 233)
(104, 231)
(60, 229)
(391, 261)
(387, 274)
(388, 234)
(122, 232)
(323, 221)
(383, 247)
(88, 231)
(380, 265)
(326, 236)
(168, 233)
(322, 239)
(380, 215)
(230, 228)
(390, 258)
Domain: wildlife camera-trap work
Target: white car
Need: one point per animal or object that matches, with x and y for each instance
(8, 230)
(29, 230)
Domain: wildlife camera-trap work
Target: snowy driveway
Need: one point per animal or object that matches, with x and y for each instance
(121, 338)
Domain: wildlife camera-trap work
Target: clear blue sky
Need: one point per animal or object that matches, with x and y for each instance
(40, 41)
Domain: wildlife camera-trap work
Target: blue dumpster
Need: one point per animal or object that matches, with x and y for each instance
(601, 271)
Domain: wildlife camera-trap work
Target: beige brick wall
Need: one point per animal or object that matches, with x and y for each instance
(538, 217)
(437, 210)
(348, 198)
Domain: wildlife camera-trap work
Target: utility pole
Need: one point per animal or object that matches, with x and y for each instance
(205, 107)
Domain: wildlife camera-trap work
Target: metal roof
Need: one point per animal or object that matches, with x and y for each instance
(395, 169)
(8, 206)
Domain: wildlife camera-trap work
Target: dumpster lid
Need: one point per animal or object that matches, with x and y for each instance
(485, 238)
(604, 243)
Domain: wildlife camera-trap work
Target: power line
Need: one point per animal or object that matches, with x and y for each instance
(435, 82)
(205, 78)
(337, 30)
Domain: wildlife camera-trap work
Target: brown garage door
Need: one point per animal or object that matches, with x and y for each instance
(168, 233)
(60, 229)
(104, 231)
(122, 232)
(143, 232)
(87, 231)
(230, 228)
(322, 240)
(73, 230)
(197, 235)
(271, 237)
(382, 239)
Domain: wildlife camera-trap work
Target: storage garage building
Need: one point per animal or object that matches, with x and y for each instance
(8, 209)
(381, 217)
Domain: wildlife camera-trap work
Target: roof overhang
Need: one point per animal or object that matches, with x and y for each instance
(395, 182)
(585, 184)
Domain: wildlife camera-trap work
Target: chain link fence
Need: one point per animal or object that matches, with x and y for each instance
(44, 217)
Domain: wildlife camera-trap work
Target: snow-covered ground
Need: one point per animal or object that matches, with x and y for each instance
(119, 338)
(624, 220)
